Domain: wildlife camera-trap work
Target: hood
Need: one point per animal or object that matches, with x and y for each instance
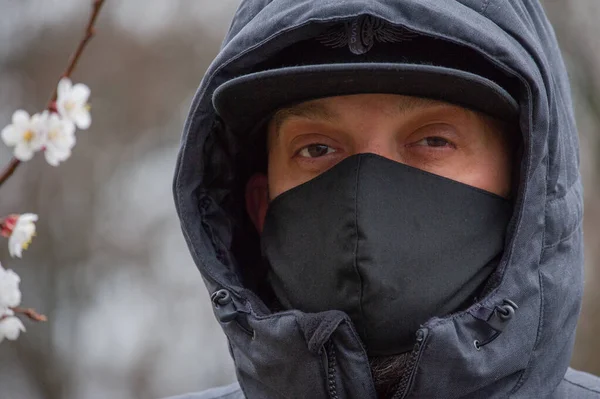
(291, 354)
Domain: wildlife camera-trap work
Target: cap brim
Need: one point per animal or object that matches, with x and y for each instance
(245, 101)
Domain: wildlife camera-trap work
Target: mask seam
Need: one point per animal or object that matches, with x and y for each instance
(360, 280)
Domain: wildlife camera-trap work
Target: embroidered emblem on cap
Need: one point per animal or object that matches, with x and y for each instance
(361, 33)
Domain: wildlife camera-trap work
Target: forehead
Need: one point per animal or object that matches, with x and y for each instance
(331, 108)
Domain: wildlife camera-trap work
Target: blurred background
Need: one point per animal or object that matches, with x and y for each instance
(129, 314)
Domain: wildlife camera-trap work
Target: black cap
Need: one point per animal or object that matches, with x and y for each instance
(367, 56)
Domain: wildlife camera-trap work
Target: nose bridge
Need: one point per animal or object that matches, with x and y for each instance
(379, 144)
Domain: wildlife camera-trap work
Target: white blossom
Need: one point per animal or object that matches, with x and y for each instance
(22, 234)
(60, 139)
(10, 327)
(71, 103)
(10, 295)
(27, 134)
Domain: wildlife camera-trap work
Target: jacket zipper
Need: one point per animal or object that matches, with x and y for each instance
(409, 375)
(331, 365)
(407, 378)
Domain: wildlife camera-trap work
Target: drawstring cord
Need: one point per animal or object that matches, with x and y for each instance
(497, 319)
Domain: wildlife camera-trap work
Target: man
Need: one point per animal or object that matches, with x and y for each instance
(383, 198)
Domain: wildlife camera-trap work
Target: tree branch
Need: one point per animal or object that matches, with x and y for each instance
(89, 33)
(31, 313)
(9, 170)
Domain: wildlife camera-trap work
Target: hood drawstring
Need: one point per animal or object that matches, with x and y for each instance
(497, 319)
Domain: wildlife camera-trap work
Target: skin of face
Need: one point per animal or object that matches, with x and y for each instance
(307, 139)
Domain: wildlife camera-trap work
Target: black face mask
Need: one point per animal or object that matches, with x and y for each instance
(389, 244)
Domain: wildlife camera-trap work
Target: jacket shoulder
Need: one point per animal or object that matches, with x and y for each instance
(579, 385)
(232, 391)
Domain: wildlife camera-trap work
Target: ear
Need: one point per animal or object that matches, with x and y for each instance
(257, 199)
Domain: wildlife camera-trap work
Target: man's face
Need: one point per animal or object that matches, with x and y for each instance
(307, 139)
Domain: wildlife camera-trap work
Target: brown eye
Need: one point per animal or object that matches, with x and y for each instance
(315, 151)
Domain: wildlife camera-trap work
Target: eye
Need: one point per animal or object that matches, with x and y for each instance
(434, 141)
(315, 151)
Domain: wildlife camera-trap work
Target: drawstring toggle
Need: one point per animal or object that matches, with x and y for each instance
(224, 307)
(497, 319)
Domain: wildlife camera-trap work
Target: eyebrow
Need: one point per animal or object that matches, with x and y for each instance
(408, 104)
(309, 110)
(320, 111)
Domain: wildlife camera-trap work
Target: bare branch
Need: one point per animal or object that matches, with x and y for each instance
(31, 313)
(9, 170)
(90, 31)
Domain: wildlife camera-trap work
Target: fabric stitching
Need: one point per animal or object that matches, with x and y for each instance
(485, 6)
(546, 204)
(576, 228)
(201, 257)
(360, 280)
(523, 377)
(555, 199)
(541, 318)
(581, 386)
(565, 238)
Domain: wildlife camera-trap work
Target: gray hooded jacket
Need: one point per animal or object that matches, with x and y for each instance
(292, 354)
